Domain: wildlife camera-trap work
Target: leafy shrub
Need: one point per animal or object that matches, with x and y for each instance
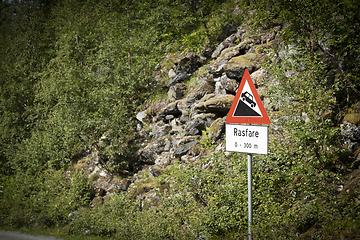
(46, 199)
(205, 140)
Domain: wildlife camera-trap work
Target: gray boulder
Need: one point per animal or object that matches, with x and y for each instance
(176, 91)
(236, 66)
(226, 43)
(225, 85)
(219, 89)
(201, 90)
(217, 67)
(184, 149)
(178, 78)
(217, 128)
(160, 129)
(215, 103)
(195, 126)
(148, 154)
(170, 109)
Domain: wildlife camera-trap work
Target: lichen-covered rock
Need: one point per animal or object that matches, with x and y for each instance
(115, 185)
(154, 171)
(195, 126)
(182, 106)
(258, 76)
(235, 72)
(141, 116)
(229, 53)
(236, 66)
(152, 110)
(124, 184)
(219, 89)
(190, 101)
(148, 154)
(176, 91)
(151, 199)
(178, 78)
(209, 118)
(163, 159)
(226, 43)
(138, 191)
(189, 63)
(353, 118)
(230, 85)
(160, 130)
(188, 158)
(215, 103)
(106, 185)
(217, 128)
(217, 67)
(183, 149)
(201, 90)
(171, 108)
(171, 73)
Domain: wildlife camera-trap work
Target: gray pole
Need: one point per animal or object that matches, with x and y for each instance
(249, 156)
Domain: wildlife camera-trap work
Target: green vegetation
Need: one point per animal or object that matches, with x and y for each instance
(328, 31)
(205, 140)
(73, 74)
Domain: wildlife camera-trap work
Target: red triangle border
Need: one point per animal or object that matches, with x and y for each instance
(247, 119)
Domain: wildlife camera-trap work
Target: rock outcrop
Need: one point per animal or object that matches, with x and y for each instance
(201, 89)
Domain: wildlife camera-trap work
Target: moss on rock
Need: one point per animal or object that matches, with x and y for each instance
(352, 118)
(216, 129)
(243, 61)
(215, 103)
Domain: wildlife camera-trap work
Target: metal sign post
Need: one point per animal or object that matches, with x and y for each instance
(249, 158)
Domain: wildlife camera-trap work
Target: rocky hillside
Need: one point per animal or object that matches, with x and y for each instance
(189, 123)
(113, 116)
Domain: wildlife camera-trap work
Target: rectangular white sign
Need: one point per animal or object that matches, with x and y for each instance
(246, 138)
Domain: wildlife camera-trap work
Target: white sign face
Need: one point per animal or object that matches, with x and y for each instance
(246, 138)
(249, 102)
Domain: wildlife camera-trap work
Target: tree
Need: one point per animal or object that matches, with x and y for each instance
(24, 51)
(330, 27)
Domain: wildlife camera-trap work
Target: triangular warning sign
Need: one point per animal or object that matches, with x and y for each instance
(247, 106)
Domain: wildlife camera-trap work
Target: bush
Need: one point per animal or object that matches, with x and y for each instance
(46, 199)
